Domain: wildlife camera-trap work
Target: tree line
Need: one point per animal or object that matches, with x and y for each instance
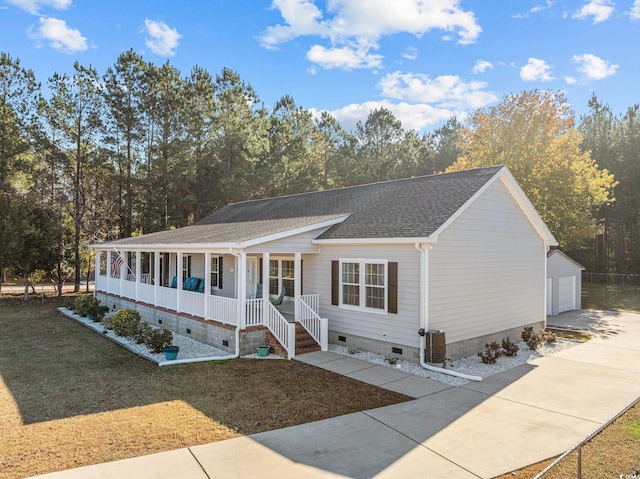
(140, 148)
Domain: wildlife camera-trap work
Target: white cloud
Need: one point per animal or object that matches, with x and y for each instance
(162, 39)
(419, 101)
(412, 116)
(34, 6)
(536, 70)
(448, 91)
(345, 57)
(600, 10)
(536, 9)
(411, 53)
(359, 24)
(481, 66)
(634, 13)
(570, 80)
(593, 67)
(59, 35)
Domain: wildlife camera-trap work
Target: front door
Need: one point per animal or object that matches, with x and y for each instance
(252, 276)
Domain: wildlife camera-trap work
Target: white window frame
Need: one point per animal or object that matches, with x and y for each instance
(363, 286)
(217, 272)
(280, 259)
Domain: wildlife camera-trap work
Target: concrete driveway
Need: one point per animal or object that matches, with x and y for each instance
(512, 419)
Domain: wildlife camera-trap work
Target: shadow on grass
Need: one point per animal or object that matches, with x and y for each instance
(54, 368)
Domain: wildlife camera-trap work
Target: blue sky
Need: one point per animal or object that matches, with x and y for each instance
(424, 60)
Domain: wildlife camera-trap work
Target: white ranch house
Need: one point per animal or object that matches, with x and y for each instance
(368, 266)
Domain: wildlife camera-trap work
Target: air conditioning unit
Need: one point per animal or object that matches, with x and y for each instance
(436, 346)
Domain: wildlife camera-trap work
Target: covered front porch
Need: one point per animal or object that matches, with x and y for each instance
(230, 287)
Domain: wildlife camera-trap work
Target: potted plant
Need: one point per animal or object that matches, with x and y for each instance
(263, 351)
(171, 352)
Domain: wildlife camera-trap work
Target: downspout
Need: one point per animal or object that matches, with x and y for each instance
(423, 248)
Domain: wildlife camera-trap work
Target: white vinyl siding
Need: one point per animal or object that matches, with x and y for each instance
(487, 271)
(401, 328)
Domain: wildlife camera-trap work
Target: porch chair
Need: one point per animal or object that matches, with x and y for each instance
(259, 291)
(278, 301)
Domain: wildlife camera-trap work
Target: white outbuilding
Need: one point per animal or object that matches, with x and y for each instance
(564, 283)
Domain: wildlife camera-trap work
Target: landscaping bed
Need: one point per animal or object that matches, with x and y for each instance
(70, 398)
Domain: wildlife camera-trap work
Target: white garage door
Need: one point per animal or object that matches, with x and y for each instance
(566, 293)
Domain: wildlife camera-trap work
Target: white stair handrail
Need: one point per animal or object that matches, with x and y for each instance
(316, 326)
(283, 330)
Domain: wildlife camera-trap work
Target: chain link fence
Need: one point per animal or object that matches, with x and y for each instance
(611, 278)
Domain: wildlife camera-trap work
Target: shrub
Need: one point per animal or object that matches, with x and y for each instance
(491, 354)
(82, 304)
(527, 333)
(107, 322)
(548, 336)
(70, 303)
(157, 339)
(126, 322)
(391, 359)
(533, 340)
(141, 334)
(509, 348)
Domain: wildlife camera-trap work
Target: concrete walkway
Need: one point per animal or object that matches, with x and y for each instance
(512, 419)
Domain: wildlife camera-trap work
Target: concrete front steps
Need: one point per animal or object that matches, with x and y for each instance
(304, 342)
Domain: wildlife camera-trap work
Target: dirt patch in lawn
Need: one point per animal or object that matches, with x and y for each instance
(70, 398)
(614, 452)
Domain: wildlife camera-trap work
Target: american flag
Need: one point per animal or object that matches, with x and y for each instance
(115, 266)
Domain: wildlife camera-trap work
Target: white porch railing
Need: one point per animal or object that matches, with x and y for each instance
(224, 310)
(316, 326)
(146, 293)
(167, 298)
(254, 312)
(283, 330)
(312, 300)
(101, 282)
(113, 285)
(192, 303)
(131, 277)
(145, 278)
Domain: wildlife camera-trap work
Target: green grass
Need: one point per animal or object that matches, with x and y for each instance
(611, 297)
(69, 397)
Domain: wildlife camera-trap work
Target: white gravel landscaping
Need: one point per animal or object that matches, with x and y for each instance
(471, 365)
(189, 348)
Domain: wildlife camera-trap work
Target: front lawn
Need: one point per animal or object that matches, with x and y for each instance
(70, 398)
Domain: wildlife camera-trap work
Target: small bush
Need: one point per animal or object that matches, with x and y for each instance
(391, 359)
(126, 322)
(157, 339)
(509, 348)
(548, 336)
(82, 304)
(107, 322)
(491, 354)
(70, 303)
(141, 334)
(353, 350)
(527, 333)
(532, 339)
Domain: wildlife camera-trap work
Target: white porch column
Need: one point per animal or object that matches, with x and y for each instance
(97, 273)
(265, 276)
(108, 265)
(138, 266)
(179, 280)
(207, 283)
(156, 276)
(242, 289)
(297, 283)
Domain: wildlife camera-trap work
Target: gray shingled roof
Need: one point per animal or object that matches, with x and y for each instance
(410, 208)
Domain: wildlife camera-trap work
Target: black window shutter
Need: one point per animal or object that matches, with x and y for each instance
(301, 277)
(335, 283)
(392, 291)
(260, 270)
(219, 272)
